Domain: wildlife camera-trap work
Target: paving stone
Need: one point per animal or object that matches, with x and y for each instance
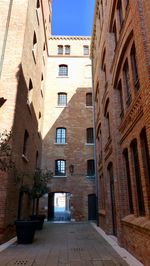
(72, 244)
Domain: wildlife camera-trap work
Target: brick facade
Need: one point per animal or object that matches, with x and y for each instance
(75, 116)
(23, 55)
(121, 57)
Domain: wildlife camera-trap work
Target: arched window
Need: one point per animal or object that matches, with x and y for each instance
(61, 135)
(60, 167)
(138, 180)
(128, 176)
(127, 82)
(63, 70)
(134, 67)
(34, 48)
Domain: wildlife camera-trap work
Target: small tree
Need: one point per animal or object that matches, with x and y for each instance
(39, 187)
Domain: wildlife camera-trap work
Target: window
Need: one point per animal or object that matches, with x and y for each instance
(121, 99)
(126, 158)
(30, 92)
(86, 50)
(38, 4)
(90, 168)
(119, 7)
(67, 49)
(89, 99)
(38, 10)
(137, 173)
(61, 135)
(145, 155)
(34, 49)
(126, 3)
(115, 33)
(89, 135)
(127, 82)
(60, 49)
(63, 70)
(134, 67)
(60, 168)
(62, 99)
(25, 142)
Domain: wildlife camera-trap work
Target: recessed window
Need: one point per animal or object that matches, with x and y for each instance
(60, 49)
(61, 135)
(128, 176)
(60, 167)
(30, 92)
(89, 135)
(62, 99)
(86, 50)
(67, 49)
(134, 67)
(34, 49)
(63, 70)
(139, 189)
(127, 82)
(25, 142)
(119, 7)
(89, 99)
(90, 168)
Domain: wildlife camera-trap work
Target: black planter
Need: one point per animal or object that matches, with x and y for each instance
(25, 231)
(40, 220)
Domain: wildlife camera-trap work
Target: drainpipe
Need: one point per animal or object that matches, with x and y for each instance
(95, 154)
(5, 36)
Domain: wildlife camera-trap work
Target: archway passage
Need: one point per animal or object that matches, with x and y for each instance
(59, 206)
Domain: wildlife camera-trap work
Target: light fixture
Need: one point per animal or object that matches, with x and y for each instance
(71, 168)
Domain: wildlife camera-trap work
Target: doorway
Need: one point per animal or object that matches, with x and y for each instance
(91, 207)
(112, 196)
(59, 206)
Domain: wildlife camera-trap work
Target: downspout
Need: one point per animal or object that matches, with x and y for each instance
(5, 36)
(95, 154)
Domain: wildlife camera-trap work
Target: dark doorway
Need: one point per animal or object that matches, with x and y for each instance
(59, 206)
(92, 207)
(50, 206)
(112, 195)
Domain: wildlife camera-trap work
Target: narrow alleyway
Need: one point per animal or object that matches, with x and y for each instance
(67, 244)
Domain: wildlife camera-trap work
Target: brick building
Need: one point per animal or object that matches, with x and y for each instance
(67, 131)
(120, 53)
(25, 27)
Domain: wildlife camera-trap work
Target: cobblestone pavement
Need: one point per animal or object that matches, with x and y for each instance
(67, 244)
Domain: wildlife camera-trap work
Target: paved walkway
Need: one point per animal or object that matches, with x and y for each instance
(67, 244)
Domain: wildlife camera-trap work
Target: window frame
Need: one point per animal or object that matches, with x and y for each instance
(60, 170)
(62, 99)
(63, 70)
(61, 135)
(85, 49)
(60, 49)
(89, 100)
(90, 135)
(90, 167)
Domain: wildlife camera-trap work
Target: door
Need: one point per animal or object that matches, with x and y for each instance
(92, 207)
(50, 206)
(112, 195)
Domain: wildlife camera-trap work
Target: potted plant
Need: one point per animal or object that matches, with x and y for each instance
(38, 190)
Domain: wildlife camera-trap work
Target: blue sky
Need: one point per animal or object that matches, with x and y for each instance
(72, 17)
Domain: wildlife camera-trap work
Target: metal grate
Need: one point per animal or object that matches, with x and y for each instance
(20, 262)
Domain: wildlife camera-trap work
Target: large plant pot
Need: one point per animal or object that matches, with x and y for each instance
(25, 231)
(40, 218)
